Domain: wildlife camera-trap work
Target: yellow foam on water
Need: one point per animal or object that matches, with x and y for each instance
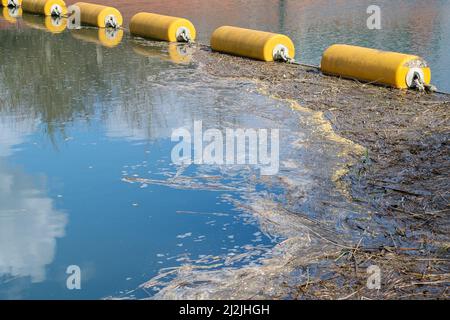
(97, 15)
(325, 128)
(249, 43)
(382, 67)
(160, 27)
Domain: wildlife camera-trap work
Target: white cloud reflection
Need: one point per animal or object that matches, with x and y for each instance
(29, 226)
(13, 132)
(29, 223)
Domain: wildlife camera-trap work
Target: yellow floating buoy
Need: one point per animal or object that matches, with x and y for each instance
(11, 14)
(45, 7)
(106, 37)
(388, 68)
(11, 3)
(160, 27)
(179, 54)
(253, 44)
(99, 16)
(49, 23)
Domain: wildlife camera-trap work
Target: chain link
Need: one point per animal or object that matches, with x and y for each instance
(420, 85)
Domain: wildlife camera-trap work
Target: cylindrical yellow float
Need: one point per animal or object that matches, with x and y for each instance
(388, 68)
(48, 23)
(11, 14)
(99, 16)
(253, 44)
(11, 3)
(160, 27)
(106, 37)
(45, 7)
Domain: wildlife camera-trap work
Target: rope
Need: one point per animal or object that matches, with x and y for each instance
(304, 64)
(443, 93)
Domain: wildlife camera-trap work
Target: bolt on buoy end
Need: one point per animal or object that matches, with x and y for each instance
(415, 79)
(111, 22)
(183, 35)
(281, 53)
(56, 11)
(13, 3)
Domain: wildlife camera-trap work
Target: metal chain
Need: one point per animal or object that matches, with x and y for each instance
(420, 85)
(429, 88)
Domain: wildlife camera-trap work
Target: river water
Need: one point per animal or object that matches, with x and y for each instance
(86, 176)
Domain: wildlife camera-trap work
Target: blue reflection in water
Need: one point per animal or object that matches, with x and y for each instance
(87, 122)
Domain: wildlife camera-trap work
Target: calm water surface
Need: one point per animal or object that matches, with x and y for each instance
(86, 176)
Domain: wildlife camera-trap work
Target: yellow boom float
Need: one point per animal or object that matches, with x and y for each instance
(45, 7)
(388, 68)
(253, 44)
(99, 16)
(160, 27)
